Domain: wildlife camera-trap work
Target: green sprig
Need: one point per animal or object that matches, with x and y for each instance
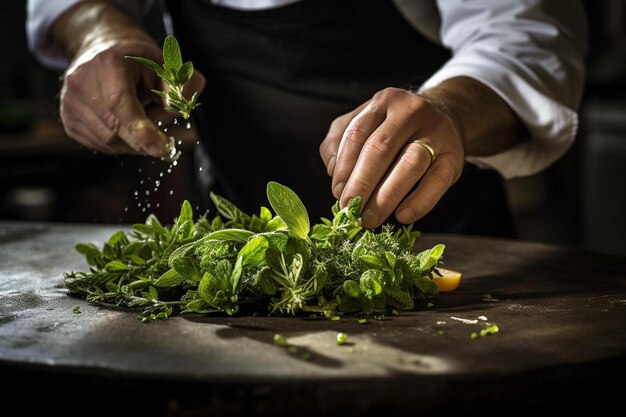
(175, 74)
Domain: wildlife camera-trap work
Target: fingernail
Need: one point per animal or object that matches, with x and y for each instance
(369, 218)
(339, 189)
(405, 215)
(331, 165)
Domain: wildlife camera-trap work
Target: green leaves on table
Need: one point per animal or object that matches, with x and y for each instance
(175, 74)
(277, 263)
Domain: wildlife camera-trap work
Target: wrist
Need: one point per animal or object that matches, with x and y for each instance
(94, 24)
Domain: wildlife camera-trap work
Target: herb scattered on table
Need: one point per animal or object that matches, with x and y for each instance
(175, 74)
(76, 310)
(487, 297)
(342, 338)
(277, 262)
(362, 321)
(488, 330)
(280, 340)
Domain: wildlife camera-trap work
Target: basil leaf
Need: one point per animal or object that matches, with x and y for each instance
(147, 62)
(290, 209)
(429, 258)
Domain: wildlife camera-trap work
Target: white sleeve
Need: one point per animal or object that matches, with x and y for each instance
(41, 14)
(531, 54)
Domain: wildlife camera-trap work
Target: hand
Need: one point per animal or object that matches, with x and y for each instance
(104, 99)
(370, 152)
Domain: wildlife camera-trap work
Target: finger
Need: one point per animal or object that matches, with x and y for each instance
(73, 123)
(99, 129)
(353, 138)
(377, 156)
(402, 177)
(330, 145)
(437, 180)
(124, 111)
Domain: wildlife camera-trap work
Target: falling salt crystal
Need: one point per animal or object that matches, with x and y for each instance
(156, 189)
(197, 208)
(188, 125)
(159, 123)
(160, 174)
(147, 192)
(139, 170)
(136, 192)
(143, 210)
(158, 204)
(200, 169)
(175, 163)
(180, 142)
(441, 323)
(165, 129)
(157, 182)
(483, 318)
(197, 142)
(176, 121)
(169, 170)
(148, 205)
(141, 182)
(171, 192)
(125, 208)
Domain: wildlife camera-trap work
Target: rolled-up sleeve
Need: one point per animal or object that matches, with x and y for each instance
(531, 53)
(40, 17)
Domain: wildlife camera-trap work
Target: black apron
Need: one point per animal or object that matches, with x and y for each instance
(277, 78)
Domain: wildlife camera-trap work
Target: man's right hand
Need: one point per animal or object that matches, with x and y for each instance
(106, 102)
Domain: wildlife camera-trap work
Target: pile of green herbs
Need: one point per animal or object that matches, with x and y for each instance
(265, 262)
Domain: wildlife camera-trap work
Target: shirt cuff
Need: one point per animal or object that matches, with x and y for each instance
(552, 125)
(41, 16)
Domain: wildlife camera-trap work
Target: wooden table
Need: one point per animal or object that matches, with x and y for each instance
(561, 314)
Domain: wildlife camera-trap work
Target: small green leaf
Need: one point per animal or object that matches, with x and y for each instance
(185, 72)
(398, 298)
(290, 209)
(188, 268)
(342, 338)
(76, 310)
(172, 59)
(280, 340)
(149, 63)
(370, 282)
(186, 212)
(352, 289)
(116, 266)
(489, 330)
(228, 210)
(429, 258)
(426, 286)
(233, 235)
(253, 253)
(169, 279)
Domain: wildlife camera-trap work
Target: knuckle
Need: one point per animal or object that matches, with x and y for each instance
(354, 135)
(388, 196)
(379, 145)
(444, 174)
(415, 156)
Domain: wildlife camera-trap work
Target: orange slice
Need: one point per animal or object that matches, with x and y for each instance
(449, 281)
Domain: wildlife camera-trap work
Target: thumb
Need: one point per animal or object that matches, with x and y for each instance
(136, 129)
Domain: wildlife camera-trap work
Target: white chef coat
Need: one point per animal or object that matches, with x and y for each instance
(529, 52)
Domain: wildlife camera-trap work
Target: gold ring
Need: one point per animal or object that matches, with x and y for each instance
(429, 148)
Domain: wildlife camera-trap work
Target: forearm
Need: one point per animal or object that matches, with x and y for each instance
(484, 121)
(93, 22)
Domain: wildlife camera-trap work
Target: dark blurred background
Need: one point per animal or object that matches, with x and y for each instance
(44, 176)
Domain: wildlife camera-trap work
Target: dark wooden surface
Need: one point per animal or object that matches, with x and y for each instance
(561, 313)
